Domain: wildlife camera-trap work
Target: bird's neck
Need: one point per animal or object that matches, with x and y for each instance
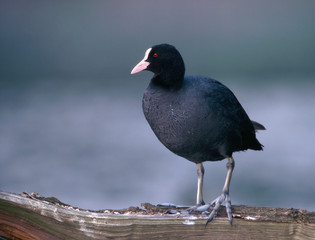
(167, 81)
(173, 78)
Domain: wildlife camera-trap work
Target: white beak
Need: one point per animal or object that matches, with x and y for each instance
(143, 64)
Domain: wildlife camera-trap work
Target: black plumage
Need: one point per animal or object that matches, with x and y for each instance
(195, 117)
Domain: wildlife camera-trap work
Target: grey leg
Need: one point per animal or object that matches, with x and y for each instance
(199, 200)
(200, 204)
(200, 173)
(224, 195)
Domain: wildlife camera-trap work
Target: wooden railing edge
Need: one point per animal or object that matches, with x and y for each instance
(30, 216)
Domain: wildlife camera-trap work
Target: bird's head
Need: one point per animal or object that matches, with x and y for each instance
(165, 62)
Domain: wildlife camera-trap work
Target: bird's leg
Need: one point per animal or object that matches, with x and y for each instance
(224, 195)
(200, 173)
(199, 198)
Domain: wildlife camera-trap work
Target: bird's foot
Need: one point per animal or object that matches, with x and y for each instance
(199, 208)
(217, 203)
(174, 209)
(184, 209)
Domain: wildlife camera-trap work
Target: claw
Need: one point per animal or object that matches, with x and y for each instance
(224, 195)
(203, 208)
(217, 203)
(228, 208)
(166, 205)
(199, 208)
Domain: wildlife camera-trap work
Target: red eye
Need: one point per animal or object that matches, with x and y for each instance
(155, 55)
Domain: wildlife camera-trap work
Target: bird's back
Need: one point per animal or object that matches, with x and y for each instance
(201, 121)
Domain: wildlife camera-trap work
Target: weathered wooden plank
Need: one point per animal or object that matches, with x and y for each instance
(34, 217)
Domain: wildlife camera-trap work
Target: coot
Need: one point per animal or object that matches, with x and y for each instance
(195, 117)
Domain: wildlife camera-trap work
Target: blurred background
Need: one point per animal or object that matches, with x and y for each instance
(71, 121)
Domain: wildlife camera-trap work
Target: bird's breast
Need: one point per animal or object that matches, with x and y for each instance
(177, 123)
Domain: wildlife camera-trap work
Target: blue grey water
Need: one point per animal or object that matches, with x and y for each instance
(92, 148)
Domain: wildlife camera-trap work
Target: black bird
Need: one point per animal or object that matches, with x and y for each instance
(195, 117)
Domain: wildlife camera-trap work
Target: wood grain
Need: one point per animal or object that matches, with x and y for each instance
(34, 217)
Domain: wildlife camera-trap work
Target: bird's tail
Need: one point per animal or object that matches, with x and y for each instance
(256, 145)
(258, 126)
